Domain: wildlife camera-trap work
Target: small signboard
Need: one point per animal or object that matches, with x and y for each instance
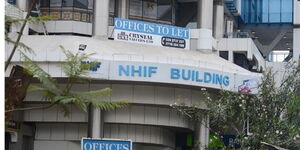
(105, 144)
(151, 33)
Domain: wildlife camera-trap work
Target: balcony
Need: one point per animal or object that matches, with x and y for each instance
(241, 43)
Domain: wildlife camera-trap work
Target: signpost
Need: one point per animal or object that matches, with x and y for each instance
(151, 33)
(105, 144)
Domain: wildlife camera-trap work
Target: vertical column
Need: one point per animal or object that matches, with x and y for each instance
(22, 4)
(123, 8)
(296, 44)
(296, 34)
(218, 19)
(205, 22)
(202, 133)
(205, 14)
(95, 129)
(100, 24)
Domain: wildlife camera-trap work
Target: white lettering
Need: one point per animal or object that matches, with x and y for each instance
(87, 146)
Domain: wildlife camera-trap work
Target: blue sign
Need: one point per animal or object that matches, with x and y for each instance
(105, 144)
(152, 28)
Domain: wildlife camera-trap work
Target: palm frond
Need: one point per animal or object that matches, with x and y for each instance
(32, 88)
(46, 80)
(107, 106)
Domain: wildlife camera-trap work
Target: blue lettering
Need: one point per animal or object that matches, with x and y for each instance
(175, 73)
(123, 70)
(184, 77)
(207, 77)
(226, 80)
(133, 71)
(198, 79)
(219, 79)
(152, 70)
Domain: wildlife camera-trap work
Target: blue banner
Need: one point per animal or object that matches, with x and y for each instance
(103, 144)
(152, 28)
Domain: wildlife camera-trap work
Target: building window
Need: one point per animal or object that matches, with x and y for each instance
(78, 10)
(160, 11)
(112, 12)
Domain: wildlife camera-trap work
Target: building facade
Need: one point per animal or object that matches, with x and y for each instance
(231, 39)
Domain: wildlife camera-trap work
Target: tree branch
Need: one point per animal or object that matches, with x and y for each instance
(19, 36)
(31, 108)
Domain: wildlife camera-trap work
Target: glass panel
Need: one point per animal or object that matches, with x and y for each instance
(275, 11)
(81, 4)
(55, 3)
(67, 3)
(45, 3)
(265, 11)
(90, 4)
(286, 11)
(150, 9)
(135, 8)
(164, 10)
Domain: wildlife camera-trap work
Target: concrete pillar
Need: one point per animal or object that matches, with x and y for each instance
(230, 56)
(95, 123)
(229, 28)
(123, 8)
(205, 14)
(204, 23)
(296, 44)
(218, 20)
(100, 24)
(22, 4)
(202, 133)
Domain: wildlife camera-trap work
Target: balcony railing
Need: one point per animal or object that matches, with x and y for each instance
(237, 35)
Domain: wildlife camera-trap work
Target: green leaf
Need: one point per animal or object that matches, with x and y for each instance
(47, 81)
(32, 88)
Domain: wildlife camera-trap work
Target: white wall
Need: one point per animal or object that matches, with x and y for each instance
(296, 12)
(296, 43)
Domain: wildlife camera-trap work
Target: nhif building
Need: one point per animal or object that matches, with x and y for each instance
(153, 52)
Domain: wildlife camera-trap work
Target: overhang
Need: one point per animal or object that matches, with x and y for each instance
(140, 63)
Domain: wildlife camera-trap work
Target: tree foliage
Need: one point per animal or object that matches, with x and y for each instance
(273, 115)
(63, 96)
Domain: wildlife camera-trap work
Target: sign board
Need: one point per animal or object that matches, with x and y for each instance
(151, 33)
(173, 74)
(105, 144)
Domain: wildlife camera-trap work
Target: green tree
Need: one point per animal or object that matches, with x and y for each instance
(272, 114)
(76, 73)
(52, 93)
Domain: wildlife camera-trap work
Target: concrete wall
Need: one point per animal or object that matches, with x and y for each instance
(296, 34)
(63, 27)
(68, 135)
(296, 12)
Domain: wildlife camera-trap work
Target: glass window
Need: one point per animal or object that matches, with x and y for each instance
(275, 11)
(164, 10)
(67, 3)
(135, 8)
(81, 4)
(286, 11)
(13, 2)
(90, 4)
(55, 3)
(45, 3)
(150, 9)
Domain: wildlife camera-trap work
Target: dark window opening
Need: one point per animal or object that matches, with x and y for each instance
(160, 11)
(78, 10)
(223, 54)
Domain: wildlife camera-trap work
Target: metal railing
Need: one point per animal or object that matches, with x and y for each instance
(237, 35)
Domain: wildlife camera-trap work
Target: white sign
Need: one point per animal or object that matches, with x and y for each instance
(173, 74)
(151, 33)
